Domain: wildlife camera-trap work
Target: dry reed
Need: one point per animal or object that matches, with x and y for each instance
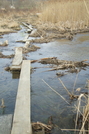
(84, 112)
(68, 14)
(85, 115)
(55, 91)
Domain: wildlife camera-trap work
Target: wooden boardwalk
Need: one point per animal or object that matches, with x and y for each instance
(22, 118)
(17, 61)
(5, 124)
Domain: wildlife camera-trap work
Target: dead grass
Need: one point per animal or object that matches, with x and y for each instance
(12, 19)
(70, 14)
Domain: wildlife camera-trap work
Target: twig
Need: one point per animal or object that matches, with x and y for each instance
(74, 130)
(86, 6)
(65, 87)
(79, 110)
(75, 82)
(55, 92)
(79, 102)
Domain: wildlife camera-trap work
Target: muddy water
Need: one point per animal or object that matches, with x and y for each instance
(45, 102)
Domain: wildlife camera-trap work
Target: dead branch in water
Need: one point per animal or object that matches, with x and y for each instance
(55, 91)
(72, 66)
(72, 96)
(74, 130)
(65, 87)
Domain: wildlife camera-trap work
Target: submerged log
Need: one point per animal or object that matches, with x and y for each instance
(60, 74)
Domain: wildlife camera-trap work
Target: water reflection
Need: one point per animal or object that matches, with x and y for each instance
(15, 74)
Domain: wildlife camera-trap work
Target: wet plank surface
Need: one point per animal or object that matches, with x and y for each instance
(22, 119)
(17, 61)
(5, 124)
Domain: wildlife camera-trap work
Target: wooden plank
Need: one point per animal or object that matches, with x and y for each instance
(18, 57)
(26, 38)
(27, 44)
(28, 26)
(17, 61)
(5, 124)
(22, 119)
(13, 68)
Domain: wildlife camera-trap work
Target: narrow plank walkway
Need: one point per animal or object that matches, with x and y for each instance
(5, 124)
(17, 61)
(22, 119)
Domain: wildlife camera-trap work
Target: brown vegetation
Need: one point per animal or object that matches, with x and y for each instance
(30, 49)
(66, 14)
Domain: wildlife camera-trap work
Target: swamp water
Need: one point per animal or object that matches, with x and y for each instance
(45, 102)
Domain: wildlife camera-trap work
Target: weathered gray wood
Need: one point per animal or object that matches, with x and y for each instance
(33, 32)
(28, 26)
(27, 44)
(18, 57)
(14, 68)
(5, 124)
(22, 120)
(26, 37)
(17, 61)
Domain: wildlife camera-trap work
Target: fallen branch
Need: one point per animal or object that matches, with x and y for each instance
(65, 87)
(72, 96)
